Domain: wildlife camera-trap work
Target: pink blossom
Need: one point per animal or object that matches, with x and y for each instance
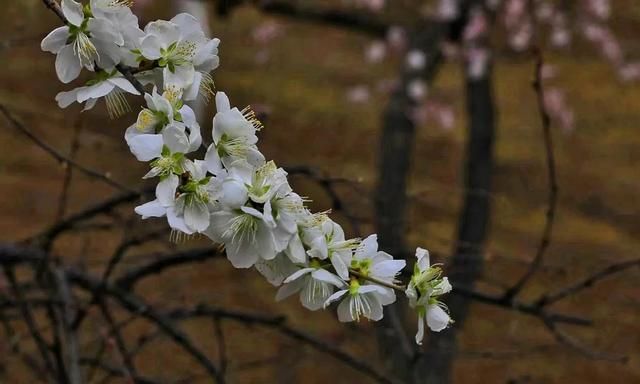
(435, 111)
(417, 89)
(548, 72)
(629, 72)
(476, 27)
(556, 106)
(600, 9)
(397, 37)
(358, 94)
(477, 62)
(520, 39)
(416, 59)
(372, 5)
(545, 11)
(266, 32)
(447, 10)
(375, 52)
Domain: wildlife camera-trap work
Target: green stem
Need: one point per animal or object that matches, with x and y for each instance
(357, 274)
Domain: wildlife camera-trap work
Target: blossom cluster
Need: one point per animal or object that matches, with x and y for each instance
(233, 195)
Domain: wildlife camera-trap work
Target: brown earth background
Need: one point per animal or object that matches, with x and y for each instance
(311, 123)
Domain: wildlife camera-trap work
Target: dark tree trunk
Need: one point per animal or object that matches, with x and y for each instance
(466, 265)
(396, 150)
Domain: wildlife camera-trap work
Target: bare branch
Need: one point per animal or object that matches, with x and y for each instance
(550, 298)
(104, 177)
(552, 196)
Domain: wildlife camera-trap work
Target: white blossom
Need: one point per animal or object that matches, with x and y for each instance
(426, 285)
(327, 240)
(360, 300)
(85, 40)
(181, 49)
(234, 137)
(314, 283)
(108, 84)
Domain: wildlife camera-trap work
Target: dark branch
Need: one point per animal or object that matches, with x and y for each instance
(104, 177)
(552, 196)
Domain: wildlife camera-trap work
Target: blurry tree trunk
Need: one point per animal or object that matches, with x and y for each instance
(466, 265)
(396, 150)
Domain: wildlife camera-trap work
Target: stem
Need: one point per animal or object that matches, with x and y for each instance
(355, 273)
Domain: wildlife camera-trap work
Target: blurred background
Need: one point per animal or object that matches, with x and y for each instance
(395, 87)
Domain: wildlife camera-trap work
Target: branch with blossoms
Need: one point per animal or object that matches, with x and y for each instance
(233, 195)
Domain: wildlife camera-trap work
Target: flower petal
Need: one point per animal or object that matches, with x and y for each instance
(296, 275)
(67, 64)
(146, 147)
(151, 209)
(420, 334)
(327, 277)
(336, 296)
(344, 310)
(72, 10)
(55, 40)
(166, 190)
(222, 102)
(437, 318)
(196, 216)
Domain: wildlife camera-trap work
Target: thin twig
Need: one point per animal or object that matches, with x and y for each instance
(584, 350)
(550, 298)
(104, 177)
(552, 195)
(68, 172)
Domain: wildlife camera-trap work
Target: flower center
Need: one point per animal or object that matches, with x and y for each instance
(242, 227)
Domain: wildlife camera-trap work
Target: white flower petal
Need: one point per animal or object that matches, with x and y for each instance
(65, 99)
(241, 254)
(95, 91)
(335, 296)
(124, 84)
(196, 216)
(72, 10)
(234, 194)
(222, 102)
(177, 222)
(146, 147)
(166, 190)
(423, 258)
(151, 209)
(55, 40)
(295, 250)
(388, 269)
(420, 334)
(150, 47)
(327, 277)
(180, 78)
(344, 310)
(340, 266)
(437, 318)
(296, 275)
(375, 308)
(368, 247)
(166, 31)
(67, 64)
(175, 139)
(103, 29)
(289, 289)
